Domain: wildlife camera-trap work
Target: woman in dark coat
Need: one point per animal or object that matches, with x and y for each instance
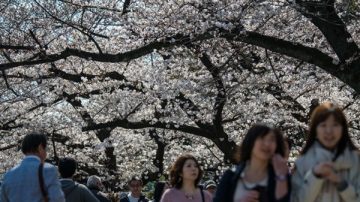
(262, 174)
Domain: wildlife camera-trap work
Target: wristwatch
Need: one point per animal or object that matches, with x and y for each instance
(281, 177)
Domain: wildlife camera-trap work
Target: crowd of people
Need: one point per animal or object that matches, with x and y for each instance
(327, 170)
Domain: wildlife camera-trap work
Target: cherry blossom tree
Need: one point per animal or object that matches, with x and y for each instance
(126, 86)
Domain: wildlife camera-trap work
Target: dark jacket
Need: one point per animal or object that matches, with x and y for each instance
(76, 192)
(124, 198)
(99, 195)
(226, 189)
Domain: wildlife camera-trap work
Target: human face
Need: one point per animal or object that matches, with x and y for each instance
(329, 132)
(264, 147)
(135, 188)
(190, 170)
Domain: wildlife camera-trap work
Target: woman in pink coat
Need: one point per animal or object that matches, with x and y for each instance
(185, 176)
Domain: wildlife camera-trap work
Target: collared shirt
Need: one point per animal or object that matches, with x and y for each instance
(243, 186)
(132, 199)
(32, 157)
(24, 179)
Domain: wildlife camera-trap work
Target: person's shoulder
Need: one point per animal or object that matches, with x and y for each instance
(301, 159)
(82, 187)
(123, 196)
(170, 191)
(50, 169)
(9, 174)
(355, 156)
(49, 166)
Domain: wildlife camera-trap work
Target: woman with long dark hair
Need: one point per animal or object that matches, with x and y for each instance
(262, 174)
(328, 169)
(185, 176)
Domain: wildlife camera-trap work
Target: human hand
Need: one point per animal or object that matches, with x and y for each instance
(326, 171)
(280, 165)
(323, 169)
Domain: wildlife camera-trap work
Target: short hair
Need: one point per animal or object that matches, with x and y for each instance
(92, 182)
(67, 167)
(135, 178)
(177, 168)
(32, 141)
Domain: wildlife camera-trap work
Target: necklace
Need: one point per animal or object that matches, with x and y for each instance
(189, 196)
(190, 193)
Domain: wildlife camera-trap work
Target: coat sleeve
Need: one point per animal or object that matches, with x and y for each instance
(54, 190)
(3, 197)
(352, 192)
(223, 190)
(87, 195)
(305, 187)
(285, 198)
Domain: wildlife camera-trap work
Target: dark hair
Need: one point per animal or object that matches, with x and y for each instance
(135, 178)
(159, 189)
(32, 141)
(67, 167)
(255, 132)
(177, 168)
(289, 142)
(319, 115)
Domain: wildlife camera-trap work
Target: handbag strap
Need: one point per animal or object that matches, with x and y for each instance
(41, 182)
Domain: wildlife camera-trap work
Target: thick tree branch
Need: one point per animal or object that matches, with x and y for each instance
(287, 48)
(323, 15)
(304, 53)
(92, 7)
(191, 110)
(289, 103)
(220, 99)
(8, 147)
(148, 124)
(126, 6)
(158, 161)
(15, 47)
